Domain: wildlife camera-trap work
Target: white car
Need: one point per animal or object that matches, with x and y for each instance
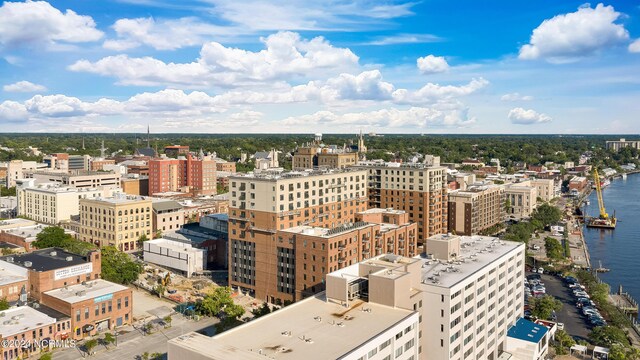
(541, 271)
(560, 326)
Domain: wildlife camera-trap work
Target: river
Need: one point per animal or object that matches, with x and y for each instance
(619, 249)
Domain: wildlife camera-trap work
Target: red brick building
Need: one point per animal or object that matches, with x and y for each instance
(190, 174)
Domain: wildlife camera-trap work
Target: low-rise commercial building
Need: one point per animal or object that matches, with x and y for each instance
(578, 183)
(138, 185)
(520, 200)
(93, 306)
(175, 255)
(12, 280)
(118, 221)
(53, 268)
(527, 340)
(78, 178)
(25, 331)
(25, 236)
(168, 215)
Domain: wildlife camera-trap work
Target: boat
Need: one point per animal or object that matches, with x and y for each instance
(601, 269)
(624, 176)
(604, 221)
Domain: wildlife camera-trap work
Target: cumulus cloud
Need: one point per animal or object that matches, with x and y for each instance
(432, 64)
(527, 117)
(38, 22)
(569, 37)
(516, 97)
(388, 118)
(435, 92)
(634, 47)
(404, 39)
(286, 55)
(164, 34)
(23, 86)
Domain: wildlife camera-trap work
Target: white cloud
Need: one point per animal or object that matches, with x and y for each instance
(634, 47)
(12, 111)
(164, 34)
(421, 117)
(39, 22)
(432, 64)
(404, 39)
(23, 86)
(516, 97)
(569, 37)
(527, 117)
(435, 92)
(286, 56)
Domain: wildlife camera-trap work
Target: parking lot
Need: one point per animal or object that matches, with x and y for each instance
(574, 323)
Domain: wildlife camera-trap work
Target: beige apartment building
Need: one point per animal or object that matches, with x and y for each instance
(545, 188)
(118, 221)
(418, 189)
(53, 203)
(168, 215)
(263, 203)
(477, 208)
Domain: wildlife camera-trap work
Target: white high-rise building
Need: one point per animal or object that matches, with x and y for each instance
(455, 303)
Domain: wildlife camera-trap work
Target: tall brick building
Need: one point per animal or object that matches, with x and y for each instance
(190, 174)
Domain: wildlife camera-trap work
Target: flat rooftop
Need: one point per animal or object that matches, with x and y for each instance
(128, 199)
(476, 252)
(46, 259)
(382, 211)
(312, 329)
(326, 232)
(22, 319)
(11, 223)
(90, 290)
(29, 233)
(274, 175)
(174, 245)
(8, 276)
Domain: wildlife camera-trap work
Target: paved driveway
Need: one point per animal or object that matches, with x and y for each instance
(574, 323)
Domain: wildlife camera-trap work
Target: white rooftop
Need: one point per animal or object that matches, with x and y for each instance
(80, 292)
(121, 199)
(29, 233)
(22, 319)
(312, 329)
(326, 232)
(382, 211)
(280, 174)
(174, 245)
(10, 276)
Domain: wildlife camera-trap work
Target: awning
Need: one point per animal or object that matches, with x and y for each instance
(601, 350)
(88, 328)
(579, 348)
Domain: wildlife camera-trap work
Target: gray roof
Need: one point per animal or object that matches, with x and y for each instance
(166, 205)
(146, 152)
(42, 260)
(262, 155)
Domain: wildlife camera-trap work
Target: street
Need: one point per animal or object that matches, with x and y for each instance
(574, 322)
(132, 344)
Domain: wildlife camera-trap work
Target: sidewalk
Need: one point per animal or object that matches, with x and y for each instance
(132, 344)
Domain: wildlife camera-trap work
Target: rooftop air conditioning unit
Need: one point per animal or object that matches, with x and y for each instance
(28, 264)
(53, 253)
(69, 258)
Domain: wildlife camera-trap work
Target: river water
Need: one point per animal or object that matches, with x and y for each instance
(619, 249)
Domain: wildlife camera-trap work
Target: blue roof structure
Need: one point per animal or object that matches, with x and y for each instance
(527, 331)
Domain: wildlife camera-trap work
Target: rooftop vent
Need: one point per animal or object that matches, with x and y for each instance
(69, 258)
(28, 264)
(318, 319)
(10, 259)
(80, 293)
(53, 253)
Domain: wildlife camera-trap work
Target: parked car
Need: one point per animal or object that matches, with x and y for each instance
(540, 271)
(560, 326)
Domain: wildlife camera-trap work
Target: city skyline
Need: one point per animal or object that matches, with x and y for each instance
(388, 67)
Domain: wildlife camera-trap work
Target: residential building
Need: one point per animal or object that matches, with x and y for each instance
(225, 166)
(78, 179)
(622, 143)
(313, 329)
(467, 290)
(176, 150)
(118, 221)
(24, 236)
(167, 215)
(14, 172)
(175, 255)
(475, 209)
(194, 210)
(262, 203)
(53, 268)
(520, 200)
(93, 306)
(53, 203)
(26, 331)
(190, 174)
(418, 189)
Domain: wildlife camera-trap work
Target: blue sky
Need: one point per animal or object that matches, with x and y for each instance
(215, 66)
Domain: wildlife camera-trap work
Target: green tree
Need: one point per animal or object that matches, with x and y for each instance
(564, 341)
(108, 339)
(507, 206)
(118, 267)
(4, 304)
(144, 356)
(142, 239)
(555, 251)
(617, 352)
(543, 307)
(167, 320)
(217, 302)
(4, 191)
(46, 356)
(89, 345)
(546, 215)
(54, 236)
(607, 335)
(159, 290)
(261, 311)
